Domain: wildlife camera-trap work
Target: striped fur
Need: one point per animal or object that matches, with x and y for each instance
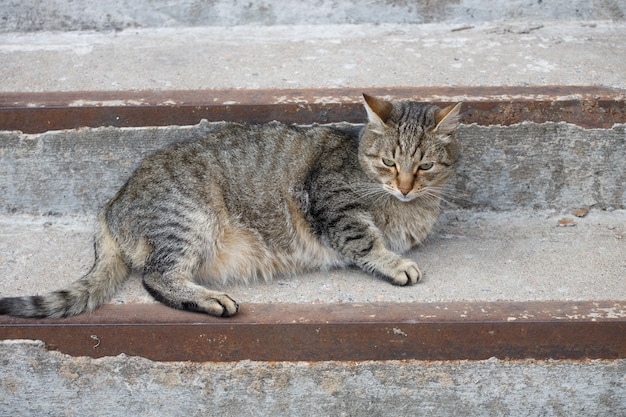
(248, 202)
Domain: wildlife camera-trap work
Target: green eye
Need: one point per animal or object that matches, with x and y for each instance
(388, 162)
(426, 166)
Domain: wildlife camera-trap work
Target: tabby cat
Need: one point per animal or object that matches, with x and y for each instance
(248, 202)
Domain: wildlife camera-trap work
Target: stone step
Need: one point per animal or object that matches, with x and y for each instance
(498, 240)
(500, 53)
(512, 271)
(116, 15)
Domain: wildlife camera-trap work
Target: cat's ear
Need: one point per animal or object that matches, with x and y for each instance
(378, 112)
(447, 119)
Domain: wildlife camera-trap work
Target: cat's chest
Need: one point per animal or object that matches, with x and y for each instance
(406, 225)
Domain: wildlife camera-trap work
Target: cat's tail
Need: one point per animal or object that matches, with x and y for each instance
(94, 289)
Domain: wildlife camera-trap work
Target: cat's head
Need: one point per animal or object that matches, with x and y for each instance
(409, 147)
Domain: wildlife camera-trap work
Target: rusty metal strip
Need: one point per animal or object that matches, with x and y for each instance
(586, 106)
(342, 332)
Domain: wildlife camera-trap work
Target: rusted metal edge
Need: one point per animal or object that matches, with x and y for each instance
(586, 106)
(340, 332)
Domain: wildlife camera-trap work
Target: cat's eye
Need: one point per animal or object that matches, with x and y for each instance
(388, 162)
(426, 166)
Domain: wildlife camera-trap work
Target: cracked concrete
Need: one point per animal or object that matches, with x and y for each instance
(135, 386)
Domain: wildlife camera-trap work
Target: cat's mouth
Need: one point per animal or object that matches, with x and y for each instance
(400, 196)
(405, 198)
(410, 196)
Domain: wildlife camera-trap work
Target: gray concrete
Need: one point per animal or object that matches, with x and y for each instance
(517, 253)
(124, 386)
(471, 256)
(486, 54)
(530, 175)
(498, 240)
(526, 166)
(33, 15)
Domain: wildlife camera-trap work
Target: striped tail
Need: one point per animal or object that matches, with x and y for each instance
(91, 291)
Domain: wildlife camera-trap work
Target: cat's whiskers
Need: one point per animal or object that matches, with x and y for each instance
(444, 194)
(365, 190)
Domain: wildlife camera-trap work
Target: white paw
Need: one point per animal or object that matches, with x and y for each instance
(220, 305)
(406, 273)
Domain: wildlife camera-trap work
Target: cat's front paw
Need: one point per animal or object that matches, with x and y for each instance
(406, 273)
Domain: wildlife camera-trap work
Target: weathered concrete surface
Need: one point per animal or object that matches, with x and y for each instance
(550, 165)
(516, 53)
(32, 15)
(471, 256)
(531, 175)
(134, 386)
(76, 170)
(525, 166)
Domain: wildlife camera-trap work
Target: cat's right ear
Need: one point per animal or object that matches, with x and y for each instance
(447, 119)
(378, 112)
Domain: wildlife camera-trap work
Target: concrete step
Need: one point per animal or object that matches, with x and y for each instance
(512, 271)
(50, 383)
(515, 256)
(32, 15)
(500, 53)
(504, 236)
(515, 184)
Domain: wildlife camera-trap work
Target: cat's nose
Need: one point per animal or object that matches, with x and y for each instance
(404, 183)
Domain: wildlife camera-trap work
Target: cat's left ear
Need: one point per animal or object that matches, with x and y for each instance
(447, 119)
(378, 112)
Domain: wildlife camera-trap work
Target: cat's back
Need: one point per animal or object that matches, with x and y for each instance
(233, 147)
(241, 182)
(270, 158)
(274, 147)
(252, 165)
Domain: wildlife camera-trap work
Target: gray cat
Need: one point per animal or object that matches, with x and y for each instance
(249, 202)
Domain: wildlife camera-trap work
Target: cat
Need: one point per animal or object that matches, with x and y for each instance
(247, 202)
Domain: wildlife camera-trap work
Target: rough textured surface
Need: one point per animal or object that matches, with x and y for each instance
(134, 386)
(534, 175)
(487, 256)
(550, 165)
(515, 53)
(75, 170)
(32, 15)
(516, 256)
(525, 166)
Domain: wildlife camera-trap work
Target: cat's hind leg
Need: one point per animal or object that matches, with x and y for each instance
(178, 245)
(169, 272)
(176, 289)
